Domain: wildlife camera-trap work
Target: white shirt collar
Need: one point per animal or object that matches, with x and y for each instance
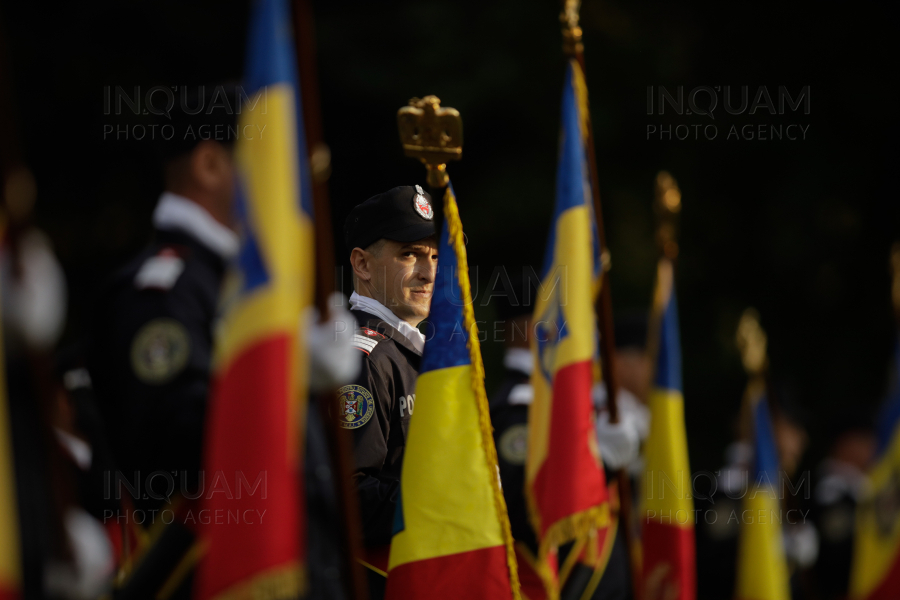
(374, 307)
(519, 359)
(177, 213)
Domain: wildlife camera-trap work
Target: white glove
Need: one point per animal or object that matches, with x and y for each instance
(92, 567)
(333, 361)
(619, 442)
(634, 412)
(631, 410)
(34, 304)
(801, 544)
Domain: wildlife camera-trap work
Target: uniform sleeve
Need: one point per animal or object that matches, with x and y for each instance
(511, 440)
(153, 376)
(377, 493)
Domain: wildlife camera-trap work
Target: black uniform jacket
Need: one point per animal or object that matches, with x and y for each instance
(151, 344)
(388, 376)
(510, 421)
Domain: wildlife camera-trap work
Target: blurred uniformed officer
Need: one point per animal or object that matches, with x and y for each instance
(840, 486)
(153, 329)
(393, 253)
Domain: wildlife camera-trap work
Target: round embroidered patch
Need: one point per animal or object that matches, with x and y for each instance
(513, 445)
(355, 406)
(160, 351)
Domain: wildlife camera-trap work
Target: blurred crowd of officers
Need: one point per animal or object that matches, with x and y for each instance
(132, 400)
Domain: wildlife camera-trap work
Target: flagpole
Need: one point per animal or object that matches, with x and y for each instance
(339, 444)
(574, 48)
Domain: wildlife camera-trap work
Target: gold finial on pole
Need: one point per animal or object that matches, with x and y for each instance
(431, 133)
(752, 341)
(667, 207)
(569, 17)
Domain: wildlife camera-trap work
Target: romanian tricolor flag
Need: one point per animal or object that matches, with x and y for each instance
(451, 532)
(257, 405)
(875, 573)
(667, 537)
(565, 485)
(762, 572)
(10, 562)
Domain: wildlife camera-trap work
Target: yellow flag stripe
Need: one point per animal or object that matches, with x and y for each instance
(876, 547)
(10, 562)
(762, 569)
(268, 167)
(667, 478)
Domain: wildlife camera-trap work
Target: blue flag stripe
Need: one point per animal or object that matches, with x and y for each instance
(446, 334)
(572, 179)
(668, 366)
(766, 453)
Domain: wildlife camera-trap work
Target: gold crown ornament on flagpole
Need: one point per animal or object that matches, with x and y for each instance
(431, 133)
(569, 17)
(667, 207)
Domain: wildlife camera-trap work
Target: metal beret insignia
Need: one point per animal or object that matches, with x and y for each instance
(513, 445)
(422, 205)
(160, 351)
(355, 406)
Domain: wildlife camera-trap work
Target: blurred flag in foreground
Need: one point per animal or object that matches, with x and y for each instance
(10, 565)
(667, 535)
(875, 573)
(565, 484)
(253, 545)
(451, 532)
(762, 572)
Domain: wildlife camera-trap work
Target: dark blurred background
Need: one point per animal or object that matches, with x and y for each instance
(799, 229)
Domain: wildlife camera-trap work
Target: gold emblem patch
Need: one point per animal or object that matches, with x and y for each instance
(355, 406)
(160, 351)
(513, 445)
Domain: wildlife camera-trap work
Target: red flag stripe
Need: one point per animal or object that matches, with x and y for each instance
(482, 574)
(570, 481)
(251, 401)
(669, 561)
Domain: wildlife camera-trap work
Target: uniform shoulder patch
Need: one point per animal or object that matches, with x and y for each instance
(366, 339)
(160, 351)
(160, 271)
(355, 406)
(513, 446)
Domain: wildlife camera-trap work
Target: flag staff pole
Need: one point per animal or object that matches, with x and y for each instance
(339, 444)
(574, 48)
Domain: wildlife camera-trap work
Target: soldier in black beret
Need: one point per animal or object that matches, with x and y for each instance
(393, 253)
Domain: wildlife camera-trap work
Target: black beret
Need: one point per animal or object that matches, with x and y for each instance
(402, 214)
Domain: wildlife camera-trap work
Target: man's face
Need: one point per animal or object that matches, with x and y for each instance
(403, 277)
